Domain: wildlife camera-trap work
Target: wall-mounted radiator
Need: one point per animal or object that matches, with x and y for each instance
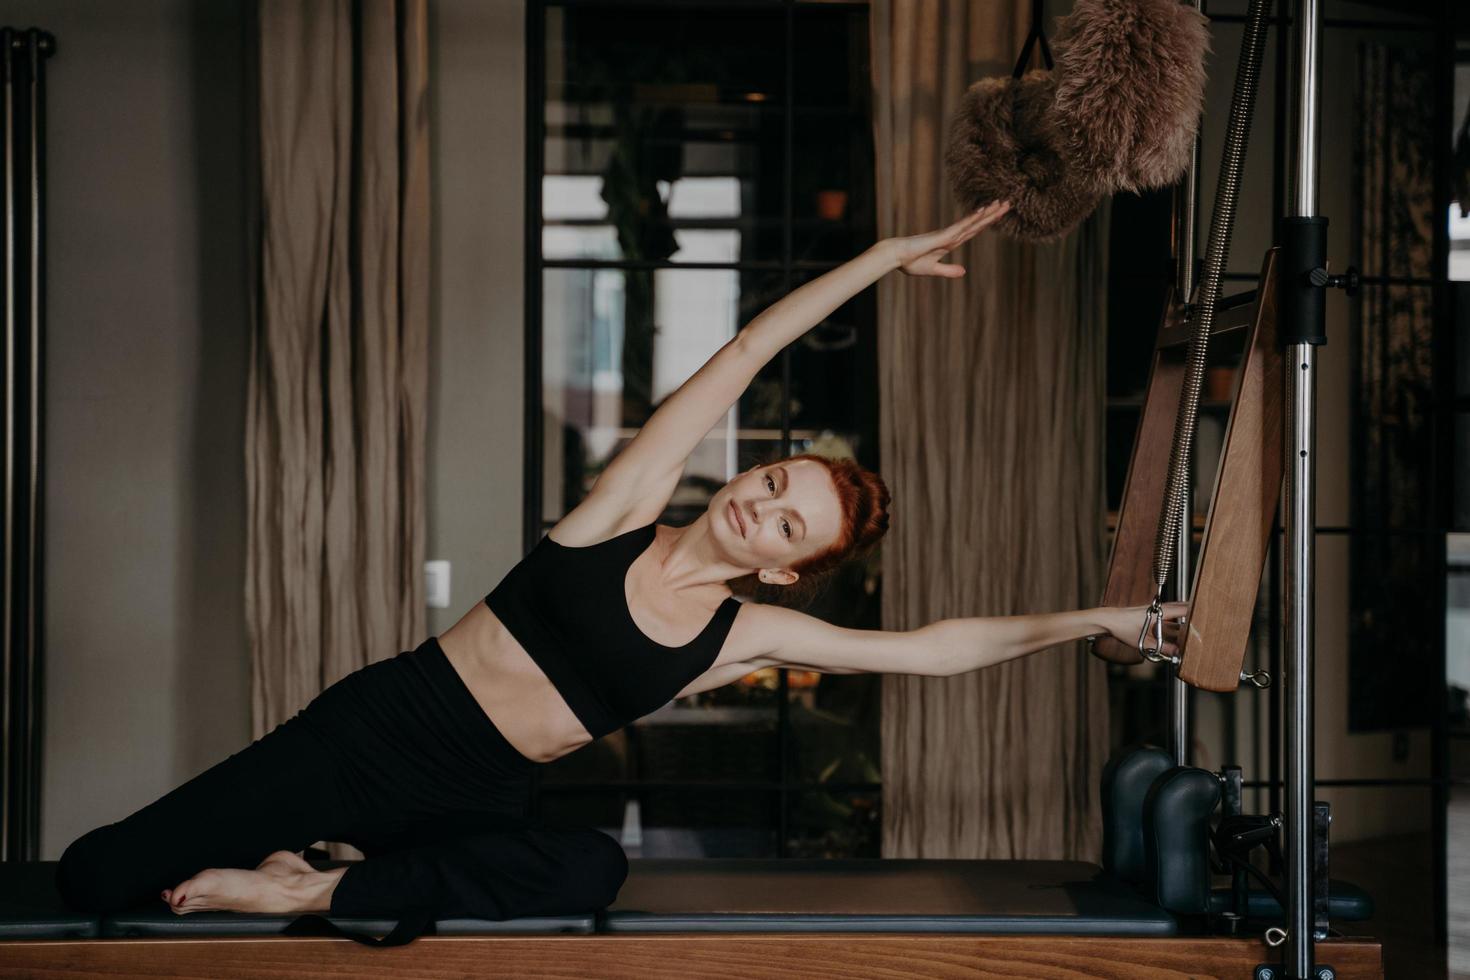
(22, 265)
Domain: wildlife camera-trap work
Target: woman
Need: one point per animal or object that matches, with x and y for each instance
(422, 760)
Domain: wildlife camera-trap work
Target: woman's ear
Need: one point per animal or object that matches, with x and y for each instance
(778, 576)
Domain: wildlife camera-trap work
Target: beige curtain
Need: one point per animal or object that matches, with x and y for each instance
(991, 439)
(337, 392)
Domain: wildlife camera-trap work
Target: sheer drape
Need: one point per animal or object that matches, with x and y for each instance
(991, 437)
(337, 392)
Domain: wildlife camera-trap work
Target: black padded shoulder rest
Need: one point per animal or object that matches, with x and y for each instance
(1176, 839)
(1125, 782)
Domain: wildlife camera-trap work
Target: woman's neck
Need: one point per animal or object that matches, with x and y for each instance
(692, 560)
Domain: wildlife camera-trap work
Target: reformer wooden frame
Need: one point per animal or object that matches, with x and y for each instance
(1236, 539)
(675, 956)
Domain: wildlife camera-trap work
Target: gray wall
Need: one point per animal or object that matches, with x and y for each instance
(475, 418)
(148, 678)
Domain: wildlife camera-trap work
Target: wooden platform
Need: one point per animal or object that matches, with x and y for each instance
(652, 957)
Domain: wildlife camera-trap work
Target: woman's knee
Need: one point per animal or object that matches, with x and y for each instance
(93, 874)
(602, 868)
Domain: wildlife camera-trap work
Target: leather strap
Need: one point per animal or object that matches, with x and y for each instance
(414, 923)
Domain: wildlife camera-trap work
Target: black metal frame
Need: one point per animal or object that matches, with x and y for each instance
(1439, 782)
(22, 129)
(1447, 404)
(533, 524)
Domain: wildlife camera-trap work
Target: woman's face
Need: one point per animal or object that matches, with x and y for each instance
(778, 515)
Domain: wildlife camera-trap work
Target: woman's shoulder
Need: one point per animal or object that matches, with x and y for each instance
(591, 523)
(758, 626)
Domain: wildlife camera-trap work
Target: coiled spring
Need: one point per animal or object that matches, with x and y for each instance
(1216, 255)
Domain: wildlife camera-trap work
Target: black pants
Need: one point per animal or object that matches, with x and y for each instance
(397, 759)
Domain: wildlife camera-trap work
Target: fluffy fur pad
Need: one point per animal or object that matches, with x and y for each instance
(1119, 112)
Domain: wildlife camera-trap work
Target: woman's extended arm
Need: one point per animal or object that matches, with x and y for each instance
(647, 470)
(949, 646)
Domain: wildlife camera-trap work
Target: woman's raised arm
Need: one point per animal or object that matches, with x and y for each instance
(642, 477)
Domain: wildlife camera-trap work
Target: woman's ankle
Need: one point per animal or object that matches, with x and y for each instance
(311, 891)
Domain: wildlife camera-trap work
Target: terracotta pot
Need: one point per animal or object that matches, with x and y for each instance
(831, 205)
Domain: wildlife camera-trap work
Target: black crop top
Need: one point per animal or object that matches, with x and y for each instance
(568, 608)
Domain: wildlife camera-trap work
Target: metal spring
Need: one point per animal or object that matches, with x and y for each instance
(1222, 219)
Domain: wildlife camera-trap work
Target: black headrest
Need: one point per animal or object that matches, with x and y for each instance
(1176, 839)
(1125, 782)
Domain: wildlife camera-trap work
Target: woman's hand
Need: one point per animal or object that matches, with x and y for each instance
(919, 255)
(1126, 623)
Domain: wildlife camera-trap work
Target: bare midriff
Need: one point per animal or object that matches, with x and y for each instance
(519, 699)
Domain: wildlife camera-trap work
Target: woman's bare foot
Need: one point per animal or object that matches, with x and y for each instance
(284, 862)
(283, 882)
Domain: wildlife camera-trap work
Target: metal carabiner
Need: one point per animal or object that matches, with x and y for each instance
(1155, 614)
(1153, 622)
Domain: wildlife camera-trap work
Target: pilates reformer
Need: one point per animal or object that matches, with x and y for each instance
(1153, 903)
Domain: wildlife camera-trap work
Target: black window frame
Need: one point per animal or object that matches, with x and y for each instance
(788, 789)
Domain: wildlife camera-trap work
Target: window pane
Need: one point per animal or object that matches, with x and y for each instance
(666, 142)
(832, 172)
(729, 735)
(673, 823)
(1457, 651)
(686, 822)
(1459, 225)
(835, 727)
(833, 393)
(690, 822)
(836, 825)
(1460, 488)
(726, 742)
(615, 343)
(1460, 305)
(664, 131)
(834, 376)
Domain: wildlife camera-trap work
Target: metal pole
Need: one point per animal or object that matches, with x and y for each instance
(6, 667)
(1304, 235)
(29, 844)
(1301, 516)
(1186, 218)
(1178, 690)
